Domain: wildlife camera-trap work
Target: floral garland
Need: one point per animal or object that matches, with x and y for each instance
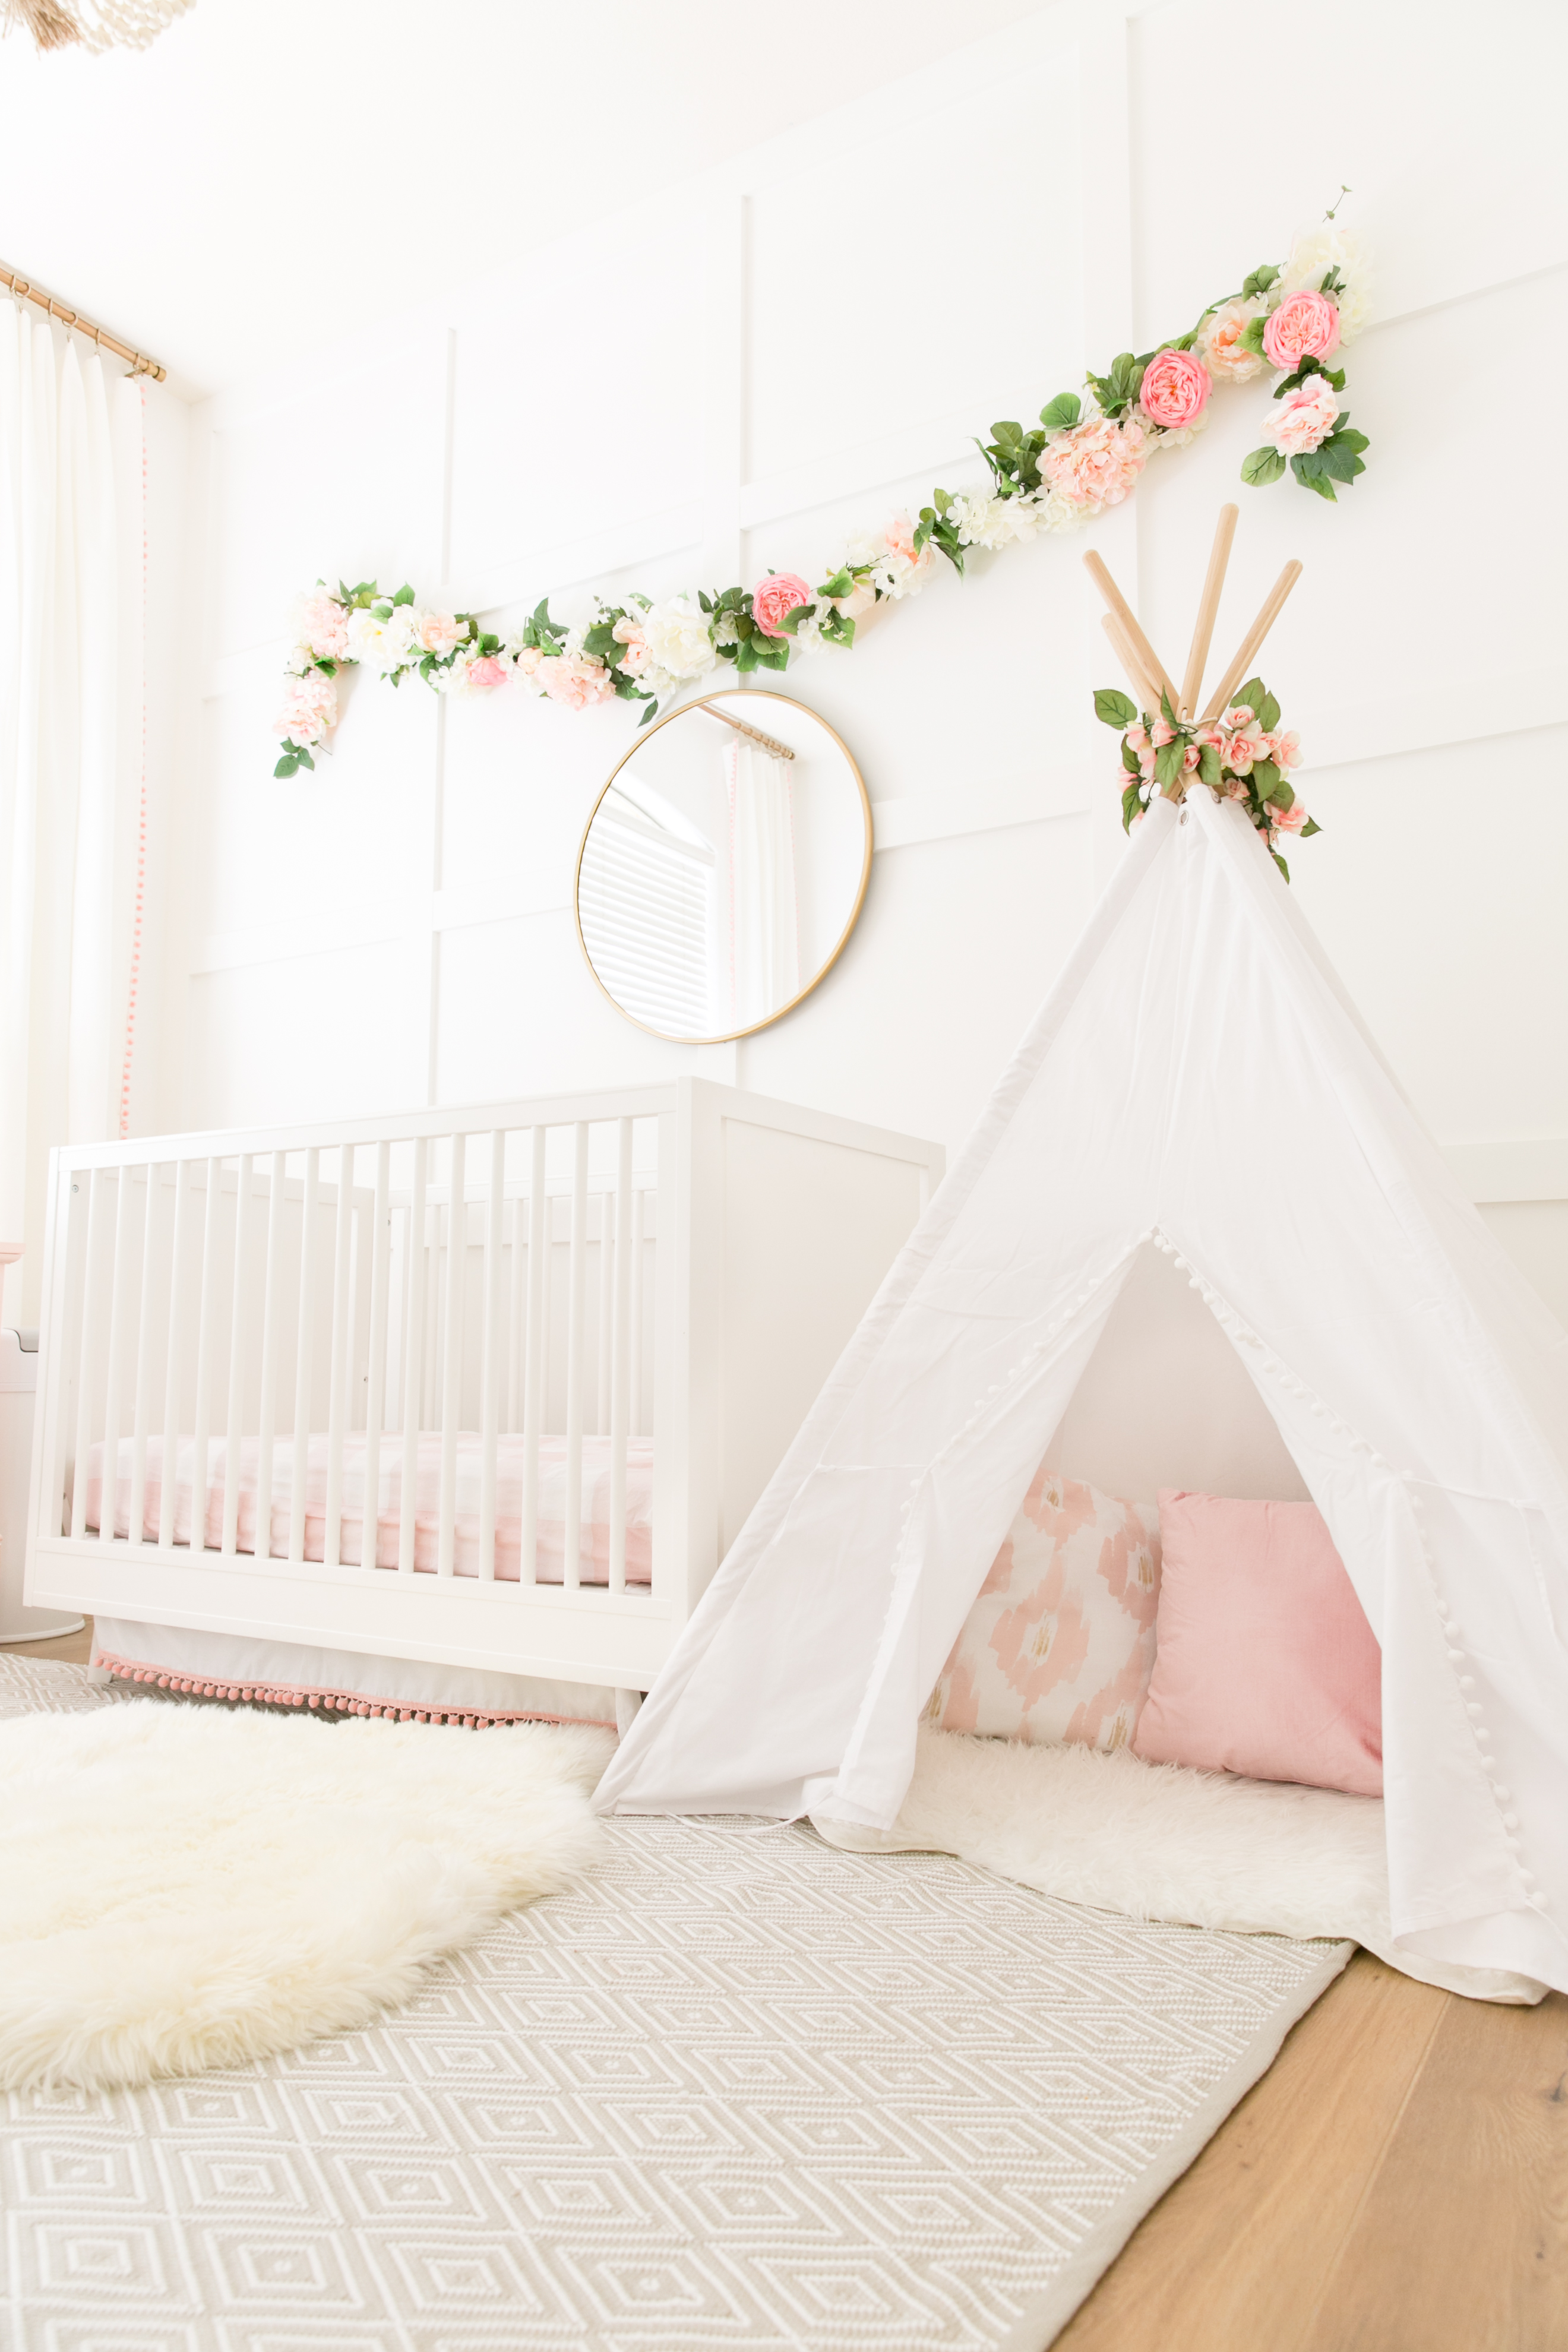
(1242, 755)
(1082, 457)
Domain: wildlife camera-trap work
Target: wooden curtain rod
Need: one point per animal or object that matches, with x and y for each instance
(768, 742)
(25, 291)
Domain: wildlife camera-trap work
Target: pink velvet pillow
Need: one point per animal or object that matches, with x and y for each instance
(1264, 1662)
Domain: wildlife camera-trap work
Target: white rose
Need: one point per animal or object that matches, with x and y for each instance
(384, 646)
(677, 637)
(1314, 254)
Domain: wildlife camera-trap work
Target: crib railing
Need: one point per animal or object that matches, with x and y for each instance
(458, 1278)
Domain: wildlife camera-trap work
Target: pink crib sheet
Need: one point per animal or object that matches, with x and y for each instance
(594, 1559)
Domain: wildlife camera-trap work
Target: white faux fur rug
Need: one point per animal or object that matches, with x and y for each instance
(183, 1888)
(1158, 1841)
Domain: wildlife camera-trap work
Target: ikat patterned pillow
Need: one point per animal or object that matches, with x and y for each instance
(1059, 1644)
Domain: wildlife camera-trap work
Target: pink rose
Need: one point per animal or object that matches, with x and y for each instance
(1245, 740)
(489, 671)
(1094, 463)
(1304, 419)
(529, 660)
(1175, 390)
(575, 681)
(1285, 751)
(1219, 341)
(1305, 326)
(900, 536)
(1289, 820)
(780, 592)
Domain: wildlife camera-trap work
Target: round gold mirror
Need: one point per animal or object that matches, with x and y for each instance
(723, 866)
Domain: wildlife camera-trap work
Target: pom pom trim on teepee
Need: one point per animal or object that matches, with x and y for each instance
(328, 1697)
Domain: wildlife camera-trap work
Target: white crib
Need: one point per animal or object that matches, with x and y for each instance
(561, 1344)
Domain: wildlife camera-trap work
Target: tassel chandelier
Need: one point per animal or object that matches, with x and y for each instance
(96, 25)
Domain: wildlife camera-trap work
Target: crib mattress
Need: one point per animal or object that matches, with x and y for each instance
(511, 1452)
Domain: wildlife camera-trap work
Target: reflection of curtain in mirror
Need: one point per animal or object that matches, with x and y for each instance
(765, 950)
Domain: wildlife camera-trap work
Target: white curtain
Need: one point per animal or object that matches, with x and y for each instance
(71, 561)
(764, 948)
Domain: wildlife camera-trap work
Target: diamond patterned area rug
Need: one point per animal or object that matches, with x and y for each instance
(739, 2089)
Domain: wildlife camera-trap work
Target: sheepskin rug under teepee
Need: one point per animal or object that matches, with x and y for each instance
(182, 1887)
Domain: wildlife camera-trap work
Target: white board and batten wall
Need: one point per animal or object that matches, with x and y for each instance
(818, 329)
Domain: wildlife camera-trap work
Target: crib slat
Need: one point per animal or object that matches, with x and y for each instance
(413, 1359)
(238, 1335)
(204, 1358)
(516, 1356)
(432, 1324)
(332, 1539)
(375, 1386)
(86, 1361)
(577, 1268)
(620, 1382)
(109, 1476)
(304, 1356)
(635, 1342)
(490, 1409)
(452, 1366)
(171, 1472)
(271, 1314)
(144, 1405)
(606, 1317)
(534, 1407)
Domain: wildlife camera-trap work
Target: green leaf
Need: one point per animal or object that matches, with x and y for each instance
(600, 642)
(1166, 713)
(382, 612)
(1260, 282)
(1313, 477)
(1130, 759)
(1114, 708)
(842, 581)
(405, 594)
(1279, 861)
(287, 764)
(1169, 761)
(1060, 414)
(795, 616)
(1007, 435)
(1208, 765)
(1264, 465)
(1310, 828)
(305, 761)
(1267, 713)
(1255, 694)
(649, 713)
(1130, 804)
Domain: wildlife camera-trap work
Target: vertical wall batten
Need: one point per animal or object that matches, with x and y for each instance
(234, 1429)
(144, 1405)
(337, 1400)
(108, 1475)
(533, 1389)
(271, 1284)
(452, 1361)
(169, 1476)
(304, 1356)
(413, 1359)
(376, 1385)
(571, 1564)
(620, 1371)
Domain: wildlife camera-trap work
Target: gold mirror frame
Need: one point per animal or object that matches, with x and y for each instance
(699, 702)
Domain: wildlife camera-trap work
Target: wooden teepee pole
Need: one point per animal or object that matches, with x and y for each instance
(1192, 685)
(1138, 677)
(1123, 611)
(1253, 640)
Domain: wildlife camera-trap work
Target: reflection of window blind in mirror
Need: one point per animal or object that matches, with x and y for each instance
(645, 904)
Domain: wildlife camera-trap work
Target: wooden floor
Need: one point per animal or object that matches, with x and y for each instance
(1397, 2182)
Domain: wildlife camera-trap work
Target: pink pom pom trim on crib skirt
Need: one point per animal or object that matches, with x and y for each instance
(131, 1670)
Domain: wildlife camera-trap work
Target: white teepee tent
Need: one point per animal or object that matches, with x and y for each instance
(1198, 1077)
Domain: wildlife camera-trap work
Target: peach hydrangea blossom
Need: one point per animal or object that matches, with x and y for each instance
(1094, 463)
(322, 626)
(438, 633)
(575, 681)
(310, 708)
